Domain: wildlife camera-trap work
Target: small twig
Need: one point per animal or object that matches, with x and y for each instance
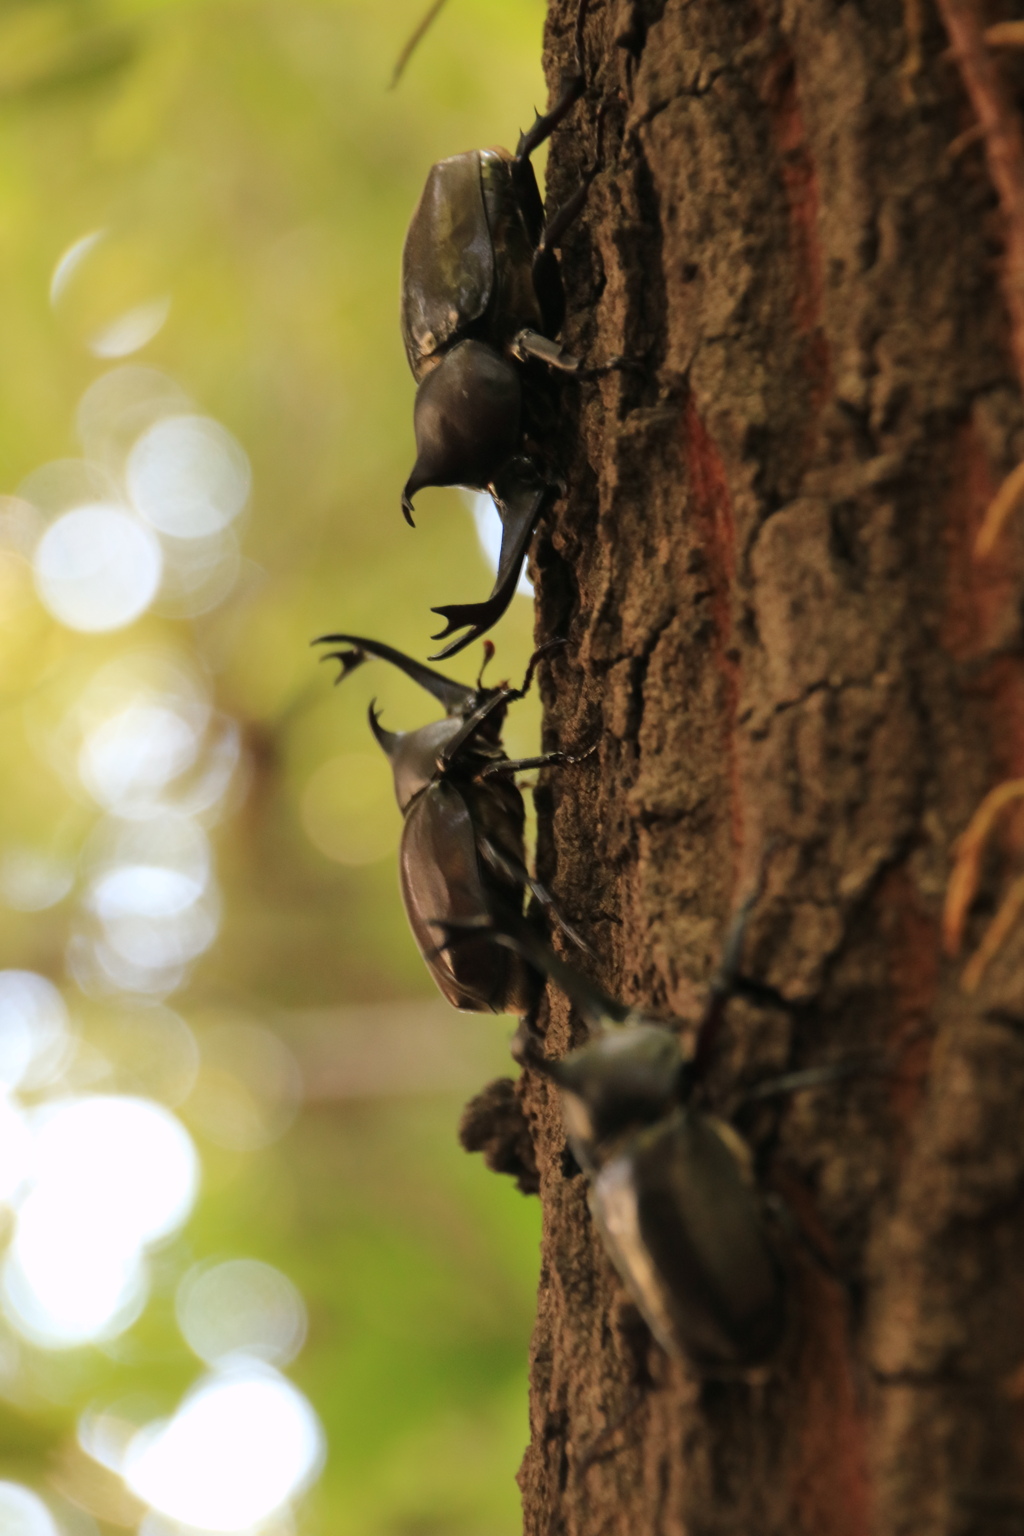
(995, 936)
(1005, 34)
(1003, 502)
(913, 26)
(963, 882)
(972, 135)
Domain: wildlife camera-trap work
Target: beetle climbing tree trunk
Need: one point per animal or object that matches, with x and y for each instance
(778, 631)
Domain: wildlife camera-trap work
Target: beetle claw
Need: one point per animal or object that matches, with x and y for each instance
(407, 509)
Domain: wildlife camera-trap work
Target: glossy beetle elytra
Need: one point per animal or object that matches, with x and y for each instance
(671, 1186)
(462, 850)
(482, 303)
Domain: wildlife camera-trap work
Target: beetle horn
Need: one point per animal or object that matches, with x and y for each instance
(521, 497)
(348, 660)
(386, 740)
(454, 696)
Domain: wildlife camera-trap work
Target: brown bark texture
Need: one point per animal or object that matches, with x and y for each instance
(779, 636)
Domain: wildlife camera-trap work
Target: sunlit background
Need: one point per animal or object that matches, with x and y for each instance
(248, 1281)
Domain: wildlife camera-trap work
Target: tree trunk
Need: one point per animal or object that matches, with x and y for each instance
(779, 636)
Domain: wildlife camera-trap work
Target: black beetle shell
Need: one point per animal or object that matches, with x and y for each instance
(687, 1231)
(447, 261)
(468, 260)
(443, 878)
(467, 418)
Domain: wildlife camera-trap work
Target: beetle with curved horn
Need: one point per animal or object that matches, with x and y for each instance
(671, 1186)
(463, 853)
(482, 304)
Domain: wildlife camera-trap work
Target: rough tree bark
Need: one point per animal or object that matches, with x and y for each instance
(776, 625)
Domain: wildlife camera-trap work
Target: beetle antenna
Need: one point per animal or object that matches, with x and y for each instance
(488, 658)
(728, 979)
(413, 41)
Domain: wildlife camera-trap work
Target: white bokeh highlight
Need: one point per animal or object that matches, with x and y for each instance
(132, 330)
(241, 1307)
(32, 879)
(188, 477)
(241, 1446)
(23, 1513)
(33, 1029)
(111, 1174)
(97, 568)
(70, 261)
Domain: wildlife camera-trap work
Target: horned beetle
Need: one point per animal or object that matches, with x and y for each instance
(482, 304)
(462, 854)
(671, 1186)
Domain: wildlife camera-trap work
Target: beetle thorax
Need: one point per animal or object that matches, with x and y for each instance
(414, 759)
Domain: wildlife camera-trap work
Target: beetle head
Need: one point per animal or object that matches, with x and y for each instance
(413, 755)
(626, 1078)
(466, 419)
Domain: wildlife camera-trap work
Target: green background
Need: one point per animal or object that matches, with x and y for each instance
(249, 161)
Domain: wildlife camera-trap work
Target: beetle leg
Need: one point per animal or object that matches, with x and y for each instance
(545, 760)
(450, 754)
(595, 1006)
(538, 656)
(813, 1077)
(527, 343)
(544, 126)
(724, 984)
(562, 217)
(531, 344)
(512, 869)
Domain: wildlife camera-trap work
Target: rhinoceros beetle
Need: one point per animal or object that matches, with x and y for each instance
(462, 850)
(482, 303)
(671, 1186)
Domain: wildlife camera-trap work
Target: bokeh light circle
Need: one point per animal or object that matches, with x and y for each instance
(15, 1151)
(128, 758)
(67, 1280)
(116, 1153)
(111, 1174)
(348, 810)
(187, 476)
(241, 1307)
(249, 1087)
(97, 568)
(32, 879)
(33, 1028)
(241, 1445)
(23, 1513)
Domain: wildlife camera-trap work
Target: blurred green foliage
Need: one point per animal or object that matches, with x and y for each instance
(247, 160)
